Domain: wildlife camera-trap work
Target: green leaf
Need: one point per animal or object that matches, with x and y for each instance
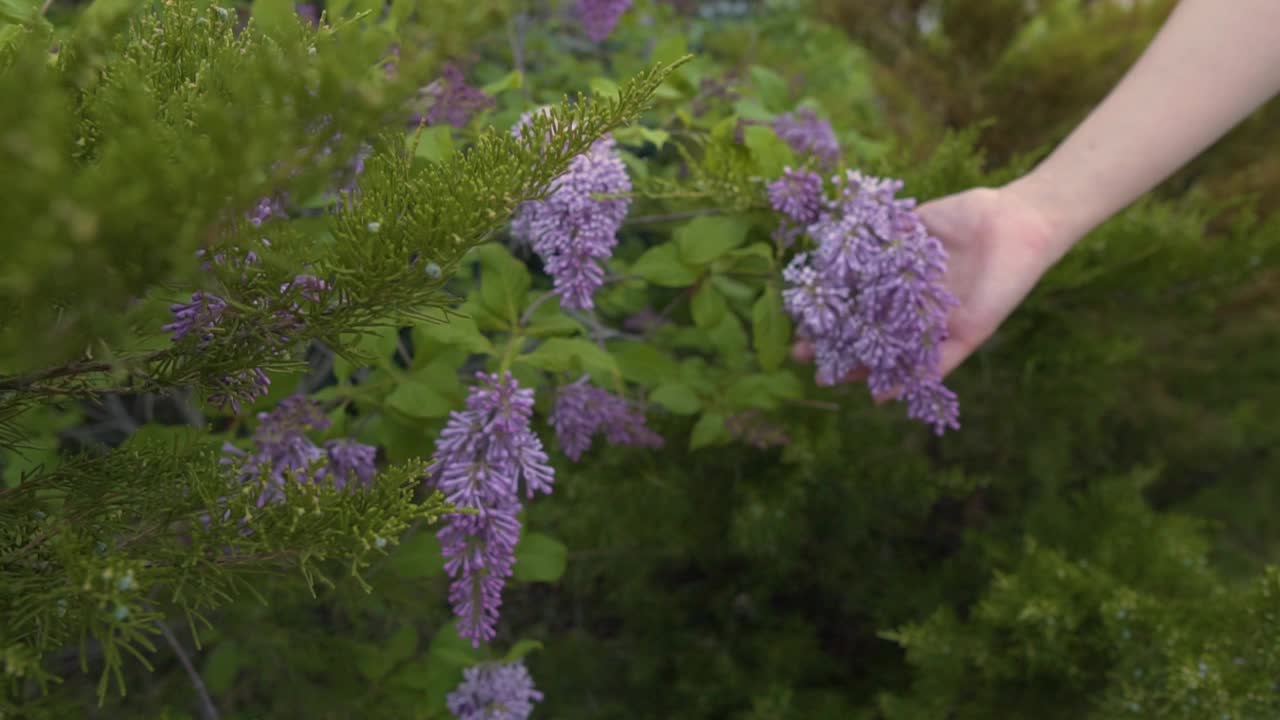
(417, 557)
(458, 331)
(371, 661)
(434, 144)
(451, 649)
(644, 363)
(771, 154)
(416, 399)
(549, 320)
(540, 558)
(504, 282)
(708, 306)
(380, 342)
(708, 431)
(770, 329)
(771, 88)
(669, 48)
(513, 80)
(759, 390)
(402, 644)
(221, 666)
(521, 649)
(729, 338)
(563, 354)
(704, 239)
(662, 265)
(603, 86)
(639, 135)
(754, 258)
(676, 397)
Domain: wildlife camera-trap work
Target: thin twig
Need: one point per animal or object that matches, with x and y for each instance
(207, 709)
(670, 217)
(533, 307)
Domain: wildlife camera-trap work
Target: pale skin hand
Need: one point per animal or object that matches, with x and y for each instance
(1213, 63)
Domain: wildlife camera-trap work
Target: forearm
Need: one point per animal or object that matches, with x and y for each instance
(1213, 63)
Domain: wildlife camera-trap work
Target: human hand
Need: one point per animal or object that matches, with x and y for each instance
(999, 243)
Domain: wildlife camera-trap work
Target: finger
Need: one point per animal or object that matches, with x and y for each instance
(802, 351)
(952, 353)
(885, 397)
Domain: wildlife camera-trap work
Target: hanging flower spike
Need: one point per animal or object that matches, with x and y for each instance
(482, 456)
(871, 297)
(453, 101)
(808, 134)
(583, 411)
(575, 229)
(494, 691)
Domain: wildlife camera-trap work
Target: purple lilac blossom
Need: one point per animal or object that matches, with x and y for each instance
(200, 315)
(572, 229)
(267, 208)
(600, 17)
(494, 691)
(239, 389)
(481, 456)
(870, 296)
(798, 196)
(350, 460)
(583, 411)
(453, 101)
(808, 134)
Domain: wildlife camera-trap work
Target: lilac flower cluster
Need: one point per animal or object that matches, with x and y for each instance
(808, 134)
(205, 313)
(583, 411)
(283, 450)
(870, 295)
(798, 197)
(600, 17)
(494, 691)
(452, 100)
(574, 230)
(481, 457)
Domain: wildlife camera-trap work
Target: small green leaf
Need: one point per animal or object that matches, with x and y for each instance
(417, 557)
(458, 331)
(416, 399)
(662, 265)
(521, 649)
(704, 239)
(708, 306)
(669, 48)
(639, 135)
(603, 86)
(729, 338)
(513, 80)
(371, 661)
(676, 397)
(434, 144)
(221, 666)
(770, 329)
(402, 644)
(549, 320)
(708, 431)
(771, 154)
(540, 558)
(560, 354)
(451, 649)
(644, 363)
(504, 281)
(771, 88)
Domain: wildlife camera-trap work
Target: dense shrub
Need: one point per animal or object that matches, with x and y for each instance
(724, 538)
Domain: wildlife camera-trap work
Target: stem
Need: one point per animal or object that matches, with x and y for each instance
(207, 709)
(533, 307)
(670, 217)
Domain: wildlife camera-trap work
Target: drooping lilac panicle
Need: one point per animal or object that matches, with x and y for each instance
(575, 228)
(870, 296)
(452, 100)
(808, 134)
(494, 691)
(600, 17)
(482, 457)
(583, 411)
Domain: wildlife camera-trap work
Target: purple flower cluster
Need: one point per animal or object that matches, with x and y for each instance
(481, 457)
(283, 450)
(583, 411)
(206, 311)
(494, 691)
(600, 17)
(798, 196)
(870, 295)
(452, 100)
(808, 134)
(574, 230)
